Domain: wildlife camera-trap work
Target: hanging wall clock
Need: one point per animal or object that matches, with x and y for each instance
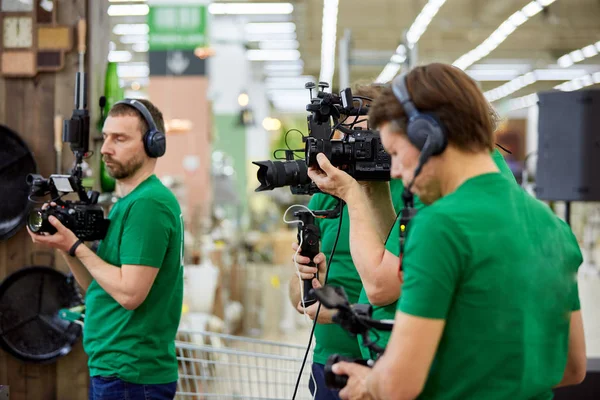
(31, 40)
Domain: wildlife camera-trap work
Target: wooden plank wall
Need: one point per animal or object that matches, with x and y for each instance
(28, 106)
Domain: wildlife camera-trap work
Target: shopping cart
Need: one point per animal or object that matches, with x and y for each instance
(213, 365)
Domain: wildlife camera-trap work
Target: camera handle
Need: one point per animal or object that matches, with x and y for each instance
(308, 237)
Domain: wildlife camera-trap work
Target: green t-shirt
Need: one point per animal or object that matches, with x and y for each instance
(393, 246)
(138, 346)
(500, 268)
(331, 338)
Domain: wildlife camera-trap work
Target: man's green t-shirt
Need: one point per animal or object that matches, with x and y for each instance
(331, 338)
(138, 346)
(500, 268)
(393, 246)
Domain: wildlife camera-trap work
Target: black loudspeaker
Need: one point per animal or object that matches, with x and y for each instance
(568, 162)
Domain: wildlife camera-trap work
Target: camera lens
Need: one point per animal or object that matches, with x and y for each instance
(274, 174)
(35, 221)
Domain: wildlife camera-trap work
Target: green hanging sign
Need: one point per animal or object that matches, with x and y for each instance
(177, 27)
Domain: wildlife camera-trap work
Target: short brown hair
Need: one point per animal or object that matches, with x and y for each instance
(123, 109)
(452, 96)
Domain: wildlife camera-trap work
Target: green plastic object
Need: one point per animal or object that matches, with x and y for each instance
(113, 93)
(71, 314)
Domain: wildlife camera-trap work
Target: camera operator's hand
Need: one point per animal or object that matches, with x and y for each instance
(356, 388)
(325, 314)
(307, 272)
(331, 179)
(62, 240)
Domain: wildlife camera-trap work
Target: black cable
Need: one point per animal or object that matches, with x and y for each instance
(319, 307)
(286, 138)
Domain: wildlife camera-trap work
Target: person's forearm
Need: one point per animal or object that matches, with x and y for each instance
(108, 276)
(294, 291)
(380, 387)
(381, 207)
(377, 267)
(81, 274)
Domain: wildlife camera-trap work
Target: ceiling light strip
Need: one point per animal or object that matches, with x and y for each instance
(574, 84)
(501, 33)
(416, 30)
(579, 55)
(328, 39)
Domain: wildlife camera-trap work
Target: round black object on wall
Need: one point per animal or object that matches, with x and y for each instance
(16, 162)
(30, 327)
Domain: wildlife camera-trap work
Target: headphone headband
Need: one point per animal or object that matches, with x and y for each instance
(154, 140)
(139, 106)
(401, 92)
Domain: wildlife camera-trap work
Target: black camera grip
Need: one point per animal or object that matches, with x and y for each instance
(308, 239)
(310, 249)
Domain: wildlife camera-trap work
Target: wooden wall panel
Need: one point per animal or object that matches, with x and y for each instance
(29, 106)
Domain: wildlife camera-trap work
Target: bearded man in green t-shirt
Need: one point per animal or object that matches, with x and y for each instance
(134, 284)
(489, 305)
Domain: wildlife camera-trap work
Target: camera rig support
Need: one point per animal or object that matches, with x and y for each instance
(308, 238)
(356, 320)
(84, 217)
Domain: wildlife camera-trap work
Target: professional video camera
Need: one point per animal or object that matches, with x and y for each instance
(84, 217)
(359, 152)
(356, 319)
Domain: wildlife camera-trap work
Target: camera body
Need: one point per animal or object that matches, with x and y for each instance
(84, 217)
(359, 152)
(86, 221)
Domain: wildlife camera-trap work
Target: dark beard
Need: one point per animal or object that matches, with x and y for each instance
(122, 171)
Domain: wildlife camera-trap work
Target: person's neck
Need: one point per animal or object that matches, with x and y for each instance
(126, 185)
(458, 167)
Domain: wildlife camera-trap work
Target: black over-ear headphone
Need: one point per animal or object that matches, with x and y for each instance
(155, 143)
(424, 130)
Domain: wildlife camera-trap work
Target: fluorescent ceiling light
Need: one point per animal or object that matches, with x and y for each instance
(122, 10)
(270, 27)
(250, 8)
(130, 39)
(484, 75)
(530, 78)
(119, 56)
(579, 55)
(272, 55)
(287, 66)
(278, 44)
(131, 29)
(589, 51)
(398, 59)
(265, 37)
(388, 73)
(416, 30)
(419, 26)
(532, 9)
(328, 39)
(133, 71)
(500, 34)
(141, 47)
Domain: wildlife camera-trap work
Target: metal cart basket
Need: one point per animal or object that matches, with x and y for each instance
(220, 366)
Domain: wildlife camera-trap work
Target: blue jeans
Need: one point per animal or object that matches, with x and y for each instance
(323, 392)
(113, 388)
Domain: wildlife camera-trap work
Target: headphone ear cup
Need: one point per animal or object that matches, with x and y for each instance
(155, 143)
(427, 126)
